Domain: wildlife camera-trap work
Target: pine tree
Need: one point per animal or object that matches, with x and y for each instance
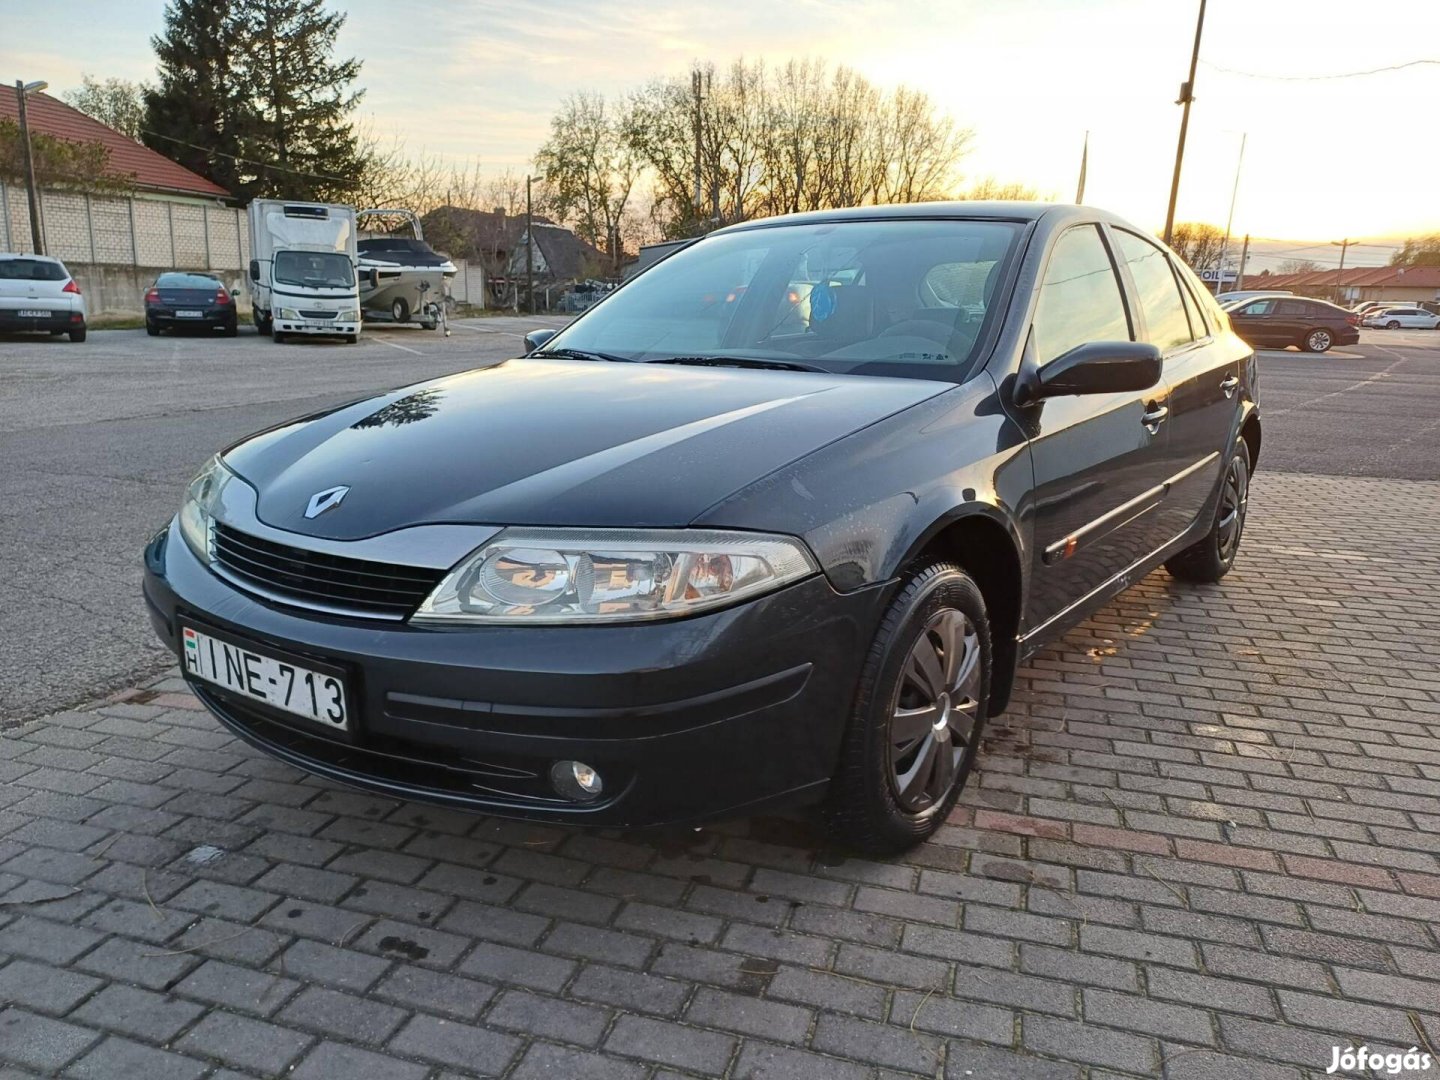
(194, 115)
(251, 97)
(300, 100)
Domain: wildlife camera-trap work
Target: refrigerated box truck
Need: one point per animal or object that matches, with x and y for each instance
(303, 269)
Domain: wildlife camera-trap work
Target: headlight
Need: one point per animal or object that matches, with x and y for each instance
(198, 509)
(289, 313)
(348, 316)
(612, 575)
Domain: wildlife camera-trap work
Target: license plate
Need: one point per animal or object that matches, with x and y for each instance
(27, 313)
(189, 314)
(257, 673)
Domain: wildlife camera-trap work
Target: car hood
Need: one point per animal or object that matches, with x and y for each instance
(556, 442)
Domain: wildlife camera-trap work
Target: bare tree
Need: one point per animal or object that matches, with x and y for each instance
(116, 103)
(991, 188)
(1198, 244)
(1298, 266)
(589, 168)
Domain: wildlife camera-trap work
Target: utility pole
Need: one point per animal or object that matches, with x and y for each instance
(1234, 191)
(1340, 273)
(22, 90)
(696, 89)
(529, 251)
(1187, 95)
(1244, 255)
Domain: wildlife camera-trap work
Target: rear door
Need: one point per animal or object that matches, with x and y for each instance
(1099, 459)
(1293, 319)
(1203, 372)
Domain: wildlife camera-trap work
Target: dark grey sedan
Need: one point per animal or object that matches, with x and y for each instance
(773, 524)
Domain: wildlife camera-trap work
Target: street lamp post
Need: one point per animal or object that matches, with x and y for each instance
(1187, 95)
(529, 248)
(22, 91)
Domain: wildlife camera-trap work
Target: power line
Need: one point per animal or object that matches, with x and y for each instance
(249, 161)
(1318, 78)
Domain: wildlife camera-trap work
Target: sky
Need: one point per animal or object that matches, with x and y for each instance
(1325, 158)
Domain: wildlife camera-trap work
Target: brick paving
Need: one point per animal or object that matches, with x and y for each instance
(1202, 845)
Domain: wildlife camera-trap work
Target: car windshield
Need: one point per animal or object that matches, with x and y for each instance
(186, 281)
(894, 297)
(314, 269)
(31, 270)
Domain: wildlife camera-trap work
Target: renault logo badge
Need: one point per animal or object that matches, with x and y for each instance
(325, 500)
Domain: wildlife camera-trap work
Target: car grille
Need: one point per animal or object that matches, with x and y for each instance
(319, 580)
(316, 314)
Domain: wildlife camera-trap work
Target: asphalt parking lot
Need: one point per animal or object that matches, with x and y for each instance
(1201, 844)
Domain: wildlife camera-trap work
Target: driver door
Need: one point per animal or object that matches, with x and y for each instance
(1099, 459)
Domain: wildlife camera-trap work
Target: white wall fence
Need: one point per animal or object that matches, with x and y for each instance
(115, 245)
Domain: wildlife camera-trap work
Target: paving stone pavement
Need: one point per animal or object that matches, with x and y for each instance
(1202, 845)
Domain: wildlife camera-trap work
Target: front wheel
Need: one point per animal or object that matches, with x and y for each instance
(1318, 340)
(919, 711)
(277, 337)
(1210, 558)
(352, 339)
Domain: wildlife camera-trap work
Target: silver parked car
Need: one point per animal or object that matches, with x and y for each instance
(1408, 317)
(38, 293)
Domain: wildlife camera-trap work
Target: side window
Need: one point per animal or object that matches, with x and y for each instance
(1198, 328)
(1080, 299)
(1165, 321)
(1295, 307)
(1259, 307)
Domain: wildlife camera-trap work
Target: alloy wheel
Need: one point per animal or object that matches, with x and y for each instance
(1319, 340)
(1234, 497)
(933, 718)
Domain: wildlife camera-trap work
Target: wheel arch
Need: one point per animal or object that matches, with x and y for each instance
(1250, 432)
(987, 549)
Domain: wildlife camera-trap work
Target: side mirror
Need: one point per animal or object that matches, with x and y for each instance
(1097, 367)
(536, 340)
(255, 270)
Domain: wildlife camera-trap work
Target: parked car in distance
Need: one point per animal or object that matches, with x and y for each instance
(1226, 299)
(748, 558)
(38, 293)
(1274, 322)
(1365, 307)
(186, 298)
(1397, 318)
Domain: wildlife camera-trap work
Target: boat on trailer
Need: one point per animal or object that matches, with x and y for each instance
(402, 279)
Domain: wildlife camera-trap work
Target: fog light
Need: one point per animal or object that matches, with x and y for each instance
(576, 780)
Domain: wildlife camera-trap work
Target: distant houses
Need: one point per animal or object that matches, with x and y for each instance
(1411, 284)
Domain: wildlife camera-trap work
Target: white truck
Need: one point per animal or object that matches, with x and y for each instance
(303, 269)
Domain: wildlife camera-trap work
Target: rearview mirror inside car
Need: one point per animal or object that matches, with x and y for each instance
(1097, 367)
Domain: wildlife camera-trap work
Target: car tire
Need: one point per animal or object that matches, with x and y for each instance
(263, 325)
(352, 339)
(1318, 340)
(77, 336)
(1210, 558)
(277, 337)
(152, 329)
(400, 309)
(232, 329)
(894, 787)
(1393, 324)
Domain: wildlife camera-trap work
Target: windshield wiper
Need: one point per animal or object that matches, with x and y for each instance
(584, 354)
(740, 362)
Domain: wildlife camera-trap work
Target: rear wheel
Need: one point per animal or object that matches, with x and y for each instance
(1318, 340)
(232, 328)
(1210, 559)
(919, 711)
(151, 328)
(77, 336)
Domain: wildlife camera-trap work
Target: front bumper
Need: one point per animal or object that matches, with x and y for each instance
(318, 327)
(690, 720)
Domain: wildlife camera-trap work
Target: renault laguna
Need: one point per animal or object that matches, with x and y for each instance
(773, 524)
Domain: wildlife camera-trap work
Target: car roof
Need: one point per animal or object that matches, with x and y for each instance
(29, 255)
(968, 210)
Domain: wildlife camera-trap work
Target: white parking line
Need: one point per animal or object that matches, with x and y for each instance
(397, 345)
(487, 330)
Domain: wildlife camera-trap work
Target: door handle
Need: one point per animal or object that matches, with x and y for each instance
(1154, 416)
(1230, 384)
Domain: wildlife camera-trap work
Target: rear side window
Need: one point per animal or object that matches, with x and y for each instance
(31, 270)
(1080, 300)
(1166, 324)
(186, 281)
(1296, 307)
